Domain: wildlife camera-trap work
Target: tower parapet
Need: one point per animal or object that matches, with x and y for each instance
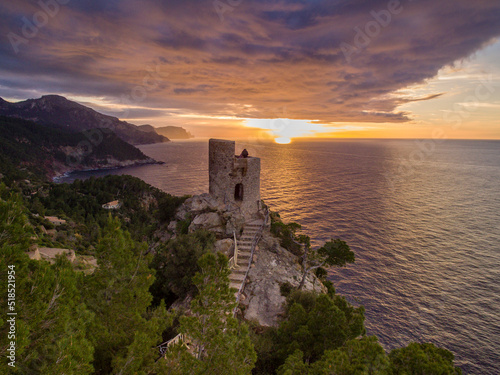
(234, 180)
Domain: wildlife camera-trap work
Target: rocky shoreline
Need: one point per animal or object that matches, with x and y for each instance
(63, 172)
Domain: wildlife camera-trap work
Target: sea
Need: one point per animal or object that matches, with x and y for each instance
(422, 216)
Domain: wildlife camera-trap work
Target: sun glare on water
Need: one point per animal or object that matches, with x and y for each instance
(282, 140)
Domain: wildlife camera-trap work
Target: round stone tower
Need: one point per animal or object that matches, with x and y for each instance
(234, 180)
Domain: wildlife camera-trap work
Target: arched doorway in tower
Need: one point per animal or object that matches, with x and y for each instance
(238, 192)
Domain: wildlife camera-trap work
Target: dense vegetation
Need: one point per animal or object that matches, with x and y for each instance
(176, 265)
(111, 320)
(143, 208)
(219, 343)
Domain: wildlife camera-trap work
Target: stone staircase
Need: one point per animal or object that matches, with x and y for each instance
(244, 250)
(237, 273)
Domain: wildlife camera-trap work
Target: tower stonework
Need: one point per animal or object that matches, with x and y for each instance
(234, 180)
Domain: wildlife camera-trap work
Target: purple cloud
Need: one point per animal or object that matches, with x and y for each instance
(331, 61)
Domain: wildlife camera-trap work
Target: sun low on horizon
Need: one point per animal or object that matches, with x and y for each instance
(282, 140)
(274, 70)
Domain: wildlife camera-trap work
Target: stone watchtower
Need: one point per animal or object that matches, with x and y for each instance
(232, 179)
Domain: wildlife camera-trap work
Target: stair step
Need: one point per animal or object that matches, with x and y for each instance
(237, 271)
(237, 276)
(235, 285)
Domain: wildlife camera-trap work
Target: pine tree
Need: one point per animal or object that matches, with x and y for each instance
(359, 356)
(142, 357)
(51, 317)
(332, 253)
(294, 365)
(219, 344)
(421, 359)
(118, 294)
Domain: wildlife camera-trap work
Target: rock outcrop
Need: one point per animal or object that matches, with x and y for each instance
(205, 212)
(225, 247)
(272, 267)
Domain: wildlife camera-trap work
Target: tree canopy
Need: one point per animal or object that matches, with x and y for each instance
(219, 343)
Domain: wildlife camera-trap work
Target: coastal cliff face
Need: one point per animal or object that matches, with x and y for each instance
(174, 132)
(272, 266)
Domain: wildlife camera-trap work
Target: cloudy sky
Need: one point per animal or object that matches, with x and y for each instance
(241, 68)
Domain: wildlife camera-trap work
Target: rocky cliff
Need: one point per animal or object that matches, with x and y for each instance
(272, 265)
(174, 132)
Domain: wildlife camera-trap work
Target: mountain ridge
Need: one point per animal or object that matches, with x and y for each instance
(58, 112)
(51, 152)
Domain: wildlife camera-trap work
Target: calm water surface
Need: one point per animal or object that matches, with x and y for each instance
(423, 220)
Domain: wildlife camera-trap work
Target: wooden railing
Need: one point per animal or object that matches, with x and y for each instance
(164, 346)
(233, 261)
